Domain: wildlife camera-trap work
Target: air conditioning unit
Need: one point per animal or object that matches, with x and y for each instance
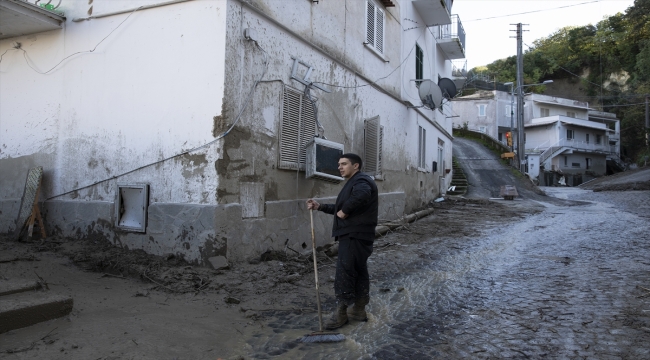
(322, 160)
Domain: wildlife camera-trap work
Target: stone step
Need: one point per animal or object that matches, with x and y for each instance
(8, 287)
(26, 308)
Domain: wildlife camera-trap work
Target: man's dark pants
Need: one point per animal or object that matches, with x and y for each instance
(352, 280)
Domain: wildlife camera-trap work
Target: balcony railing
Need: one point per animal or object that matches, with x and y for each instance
(453, 32)
(576, 145)
(459, 68)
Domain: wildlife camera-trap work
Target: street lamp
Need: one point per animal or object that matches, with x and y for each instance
(521, 153)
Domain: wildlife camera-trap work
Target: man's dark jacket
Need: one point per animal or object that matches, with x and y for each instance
(359, 200)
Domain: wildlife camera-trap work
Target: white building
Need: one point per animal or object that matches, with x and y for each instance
(199, 111)
(561, 135)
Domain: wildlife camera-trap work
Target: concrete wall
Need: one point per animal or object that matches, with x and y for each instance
(497, 119)
(541, 137)
(565, 162)
(193, 79)
(126, 105)
(346, 67)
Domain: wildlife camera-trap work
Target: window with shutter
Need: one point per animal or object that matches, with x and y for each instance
(422, 147)
(373, 138)
(419, 64)
(297, 128)
(374, 26)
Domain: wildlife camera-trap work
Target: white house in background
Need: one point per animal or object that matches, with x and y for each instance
(486, 111)
(561, 135)
(200, 112)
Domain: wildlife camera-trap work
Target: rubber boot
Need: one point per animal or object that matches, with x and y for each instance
(339, 318)
(358, 312)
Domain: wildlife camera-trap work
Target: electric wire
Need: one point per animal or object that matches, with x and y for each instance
(533, 11)
(27, 60)
(246, 102)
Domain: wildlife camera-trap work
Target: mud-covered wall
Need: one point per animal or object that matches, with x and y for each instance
(329, 36)
(177, 77)
(148, 91)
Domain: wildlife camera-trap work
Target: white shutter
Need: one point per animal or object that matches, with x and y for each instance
(297, 128)
(381, 151)
(424, 148)
(372, 146)
(370, 23)
(379, 31)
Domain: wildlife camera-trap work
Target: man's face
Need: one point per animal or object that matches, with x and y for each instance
(346, 168)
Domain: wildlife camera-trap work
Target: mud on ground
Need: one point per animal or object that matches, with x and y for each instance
(130, 302)
(638, 179)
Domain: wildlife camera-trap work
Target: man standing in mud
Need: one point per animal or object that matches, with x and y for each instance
(355, 218)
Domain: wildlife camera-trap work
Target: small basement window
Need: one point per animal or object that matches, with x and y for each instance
(131, 204)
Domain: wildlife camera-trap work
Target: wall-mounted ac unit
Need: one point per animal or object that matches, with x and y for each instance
(322, 160)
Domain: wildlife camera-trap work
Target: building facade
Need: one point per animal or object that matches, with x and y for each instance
(561, 135)
(182, 127)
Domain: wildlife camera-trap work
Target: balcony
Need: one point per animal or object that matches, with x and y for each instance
(18, 17)
(451, 38)
(434, 12)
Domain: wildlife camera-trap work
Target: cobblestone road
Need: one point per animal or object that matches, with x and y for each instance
(570, 282)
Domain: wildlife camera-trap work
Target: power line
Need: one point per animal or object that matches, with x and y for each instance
(71, 55)
(533, 11)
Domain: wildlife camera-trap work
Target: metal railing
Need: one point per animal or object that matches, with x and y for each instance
(454, 30)
(577, 145)
(459, 68)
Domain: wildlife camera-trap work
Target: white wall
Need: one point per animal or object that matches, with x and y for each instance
(150, 90)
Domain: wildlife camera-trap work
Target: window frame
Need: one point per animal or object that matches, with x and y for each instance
(376, 30)
(544, 112)
(570, 134)
(419, 64)
(482, 110)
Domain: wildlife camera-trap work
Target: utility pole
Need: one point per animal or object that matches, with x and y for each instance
(521, 146)
(647, 118)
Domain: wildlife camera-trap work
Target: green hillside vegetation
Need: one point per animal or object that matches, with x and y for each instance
(607, 64)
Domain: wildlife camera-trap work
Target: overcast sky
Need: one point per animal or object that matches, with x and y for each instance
(488, 40)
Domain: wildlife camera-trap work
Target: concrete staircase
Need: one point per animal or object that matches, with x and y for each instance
(24, 303)
(458, 181)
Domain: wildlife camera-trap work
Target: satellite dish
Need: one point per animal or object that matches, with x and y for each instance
(430, 94)
(448, 88)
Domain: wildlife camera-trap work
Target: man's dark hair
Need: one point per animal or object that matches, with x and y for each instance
(354, 159)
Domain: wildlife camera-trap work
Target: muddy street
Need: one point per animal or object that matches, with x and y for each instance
(476, 279)
(567, 282)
